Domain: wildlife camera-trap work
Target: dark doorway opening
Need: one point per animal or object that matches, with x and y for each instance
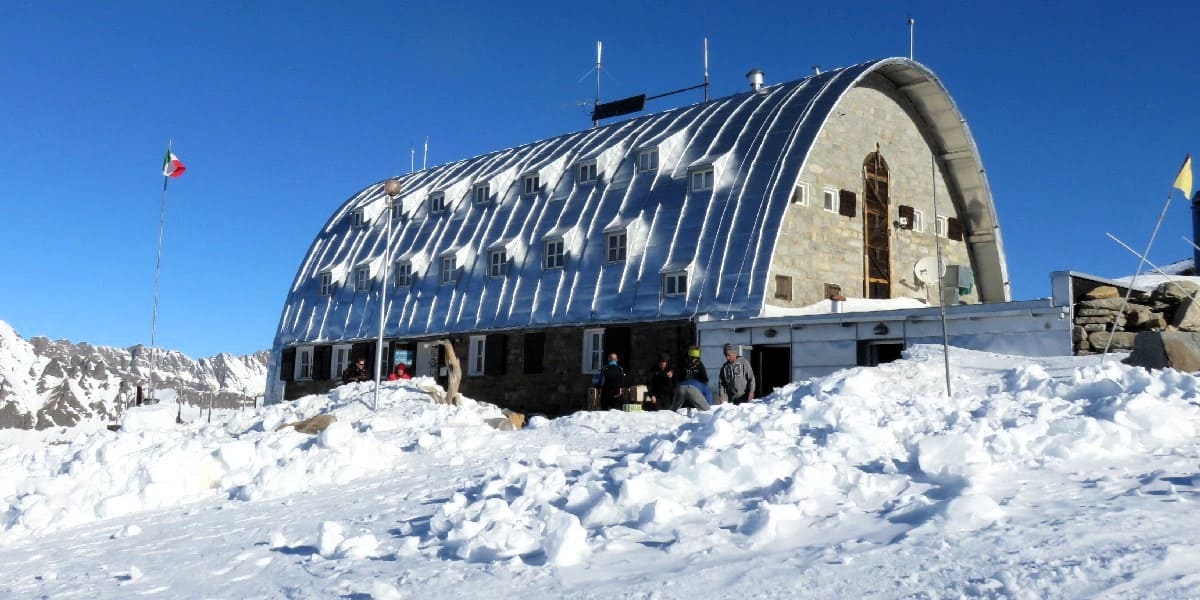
(772, 368)
(877, 352)
(618, 339)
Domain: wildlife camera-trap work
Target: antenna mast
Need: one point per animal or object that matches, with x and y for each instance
(425, 157)
(706, 69)
(596, 122)
(412, 157)
(911, 22)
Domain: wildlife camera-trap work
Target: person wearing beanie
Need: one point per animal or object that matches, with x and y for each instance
(661, 387)
(737, 378)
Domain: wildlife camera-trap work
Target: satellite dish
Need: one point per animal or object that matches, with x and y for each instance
(926, 270)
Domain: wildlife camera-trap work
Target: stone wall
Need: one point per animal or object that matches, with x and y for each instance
(817, 246)
(1099, 314)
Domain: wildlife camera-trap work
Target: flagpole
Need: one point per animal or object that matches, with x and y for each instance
(1129, 291)
(162, 217)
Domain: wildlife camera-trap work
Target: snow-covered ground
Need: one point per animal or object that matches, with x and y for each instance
(1061, 477)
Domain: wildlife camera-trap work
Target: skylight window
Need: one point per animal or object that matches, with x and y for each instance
(481, 193)
(362, 278)
(497, 263)
(449, 269)
(554, 254)
(437, 202)
(702, 179)
(647, 159)
(357, 219)
(674, 284)
(403, 271)
(326, 284)
(615, 243)
(587, 172)
(532, 184)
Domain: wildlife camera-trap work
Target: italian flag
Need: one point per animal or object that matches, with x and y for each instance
(172, 166)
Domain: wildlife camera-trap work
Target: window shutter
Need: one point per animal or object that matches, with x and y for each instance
(847, 203)
(321, 362)
(906, 215)
(954, 229)
(495, 354)
(287, 364)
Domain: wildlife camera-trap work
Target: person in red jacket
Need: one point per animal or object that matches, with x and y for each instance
(400, 372)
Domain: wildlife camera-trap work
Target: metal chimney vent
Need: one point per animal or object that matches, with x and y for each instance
(756, 79)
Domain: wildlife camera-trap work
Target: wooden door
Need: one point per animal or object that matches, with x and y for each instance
(876, 240)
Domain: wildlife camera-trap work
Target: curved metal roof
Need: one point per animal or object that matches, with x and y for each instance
(756, 144)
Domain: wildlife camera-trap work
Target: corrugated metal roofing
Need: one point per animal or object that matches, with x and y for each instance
(756, 143)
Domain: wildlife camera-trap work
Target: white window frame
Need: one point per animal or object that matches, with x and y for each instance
(941, 226)
(362, 278)
(498, 263)
(437, 203)
(397, 212)
(339, 359)
(918, 224)
(587, 172)
(304, 364)
(647, 160)
(448, 273)
(554, 260)
(357, 218)
(800, 194)
(326, 283)
(531, 184)
(403, 274)
(675, 283)
(481, 193)
(477, 355)
(593, 350)
(829, 200)
(616, 246)
(702, 179)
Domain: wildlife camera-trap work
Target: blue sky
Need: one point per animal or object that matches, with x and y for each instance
(282, 110)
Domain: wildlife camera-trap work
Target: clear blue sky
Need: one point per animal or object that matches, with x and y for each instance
(282, 110)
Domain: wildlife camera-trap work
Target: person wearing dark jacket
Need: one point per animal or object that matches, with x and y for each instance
(692, 390)
(612, 384)
(661, 388)
(356, 372)
(694, 369)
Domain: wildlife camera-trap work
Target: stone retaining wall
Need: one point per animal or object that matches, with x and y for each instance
(1099, 314)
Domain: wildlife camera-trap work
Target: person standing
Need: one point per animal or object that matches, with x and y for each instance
(612, 384)
(661, 387)
(737, 378)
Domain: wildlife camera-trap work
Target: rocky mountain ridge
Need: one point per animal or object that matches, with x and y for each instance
(53, 383)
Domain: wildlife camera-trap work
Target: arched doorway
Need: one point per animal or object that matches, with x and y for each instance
(877, 264)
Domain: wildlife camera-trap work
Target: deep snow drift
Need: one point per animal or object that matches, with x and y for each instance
(1062, 477)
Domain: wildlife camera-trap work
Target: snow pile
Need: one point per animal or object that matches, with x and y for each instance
(153, 462)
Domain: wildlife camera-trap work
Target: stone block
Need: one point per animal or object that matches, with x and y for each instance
(1101, 292)
(1160, 350)
(1121, 340)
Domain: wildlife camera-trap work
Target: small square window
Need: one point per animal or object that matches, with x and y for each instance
(800, 194)
(357, 219)
(362, 278)
(554, 254)
(833, 290)
(587, 172)
(497, 263)
(437, 202)
(304, 363)
(326, 284)
(783, 288)
(918, 223)
(532, 184)
(647, 159)
(829, 197)
(939, 226)
(675, 284)
(481, 193)
(403, 274)
(449, 269)
(616, 246)
(702, 179)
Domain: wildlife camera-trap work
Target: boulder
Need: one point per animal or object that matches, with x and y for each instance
(1174, 292)
(1102, 292)
(1106, 303)
(311, 425)
(1121, 340)
(1187, 316)
(1178, 350)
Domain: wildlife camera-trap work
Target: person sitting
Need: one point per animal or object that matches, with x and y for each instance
(356, 371)
(400, 372)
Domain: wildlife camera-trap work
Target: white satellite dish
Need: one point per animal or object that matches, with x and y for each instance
(926, 270)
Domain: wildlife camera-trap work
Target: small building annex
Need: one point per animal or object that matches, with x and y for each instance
(537, 260)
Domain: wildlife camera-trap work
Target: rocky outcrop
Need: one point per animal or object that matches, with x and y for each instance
(1102, 313)
(1179, 350)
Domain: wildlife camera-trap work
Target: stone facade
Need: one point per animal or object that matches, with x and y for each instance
(818, 247)
(1099, 314)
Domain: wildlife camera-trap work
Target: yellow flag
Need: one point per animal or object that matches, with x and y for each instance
(1183, 181)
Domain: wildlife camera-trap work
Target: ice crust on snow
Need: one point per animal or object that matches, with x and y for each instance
(878, 450)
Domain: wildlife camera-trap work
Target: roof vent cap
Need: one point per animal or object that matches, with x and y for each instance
(756, 79)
